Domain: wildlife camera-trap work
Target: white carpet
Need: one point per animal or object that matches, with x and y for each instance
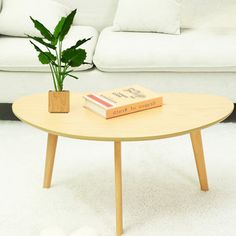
(160, 185)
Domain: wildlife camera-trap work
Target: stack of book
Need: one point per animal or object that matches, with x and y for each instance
(122, 101)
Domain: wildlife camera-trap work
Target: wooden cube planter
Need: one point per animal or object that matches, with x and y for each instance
(59, 102)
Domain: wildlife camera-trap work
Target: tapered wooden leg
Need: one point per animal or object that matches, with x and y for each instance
(199, 158)
(118, 189)
(51, 150)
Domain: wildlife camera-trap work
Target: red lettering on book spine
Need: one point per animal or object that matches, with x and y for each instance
(99, 100)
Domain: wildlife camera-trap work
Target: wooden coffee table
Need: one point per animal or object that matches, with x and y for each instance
(181, 114)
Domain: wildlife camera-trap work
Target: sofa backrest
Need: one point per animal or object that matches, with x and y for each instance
(208, 13)
(97, 13)
(194, 13)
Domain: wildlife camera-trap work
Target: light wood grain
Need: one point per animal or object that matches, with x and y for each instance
(59, 102)
(118, 186)
(180, 114)
(199, 158)
(50, 156)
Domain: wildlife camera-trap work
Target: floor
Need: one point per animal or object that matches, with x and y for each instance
(161, 194)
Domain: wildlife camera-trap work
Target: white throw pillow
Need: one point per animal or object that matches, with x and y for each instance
(148, 15)
(15, 16)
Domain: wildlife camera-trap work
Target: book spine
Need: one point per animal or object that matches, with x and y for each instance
(131, 108)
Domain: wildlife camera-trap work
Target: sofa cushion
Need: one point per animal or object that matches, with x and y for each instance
(17, 54)
(193, 50)
(15, 16)
(148, 16)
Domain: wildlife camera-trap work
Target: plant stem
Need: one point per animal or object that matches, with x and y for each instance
(58, 68)
(57, 72)
(53, 71)
(53, 76)
(60, 55)
(64, 72)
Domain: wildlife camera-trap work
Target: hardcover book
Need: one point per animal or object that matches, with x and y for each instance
(122, 101)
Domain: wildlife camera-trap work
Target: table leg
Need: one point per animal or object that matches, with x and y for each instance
(118, 188)
(199, 158)
(51, 150)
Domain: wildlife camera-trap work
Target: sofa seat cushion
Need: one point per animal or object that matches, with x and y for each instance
(17, 54)
(193, 50)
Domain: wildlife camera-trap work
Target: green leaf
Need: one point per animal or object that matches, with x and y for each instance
(67, 24)
(42, 29)
(51, 56)
(58, 29)
(40, 40)
(68, 54)
(43, 58)
(36, 47)
(79, 43)
(46, 57)
(79, 58)
(75, 77)
(74, 57)
(66, 73)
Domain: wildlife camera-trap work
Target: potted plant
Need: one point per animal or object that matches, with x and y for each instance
(61, 61)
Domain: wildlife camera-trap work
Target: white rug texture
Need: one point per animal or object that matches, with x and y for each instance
(161, 194)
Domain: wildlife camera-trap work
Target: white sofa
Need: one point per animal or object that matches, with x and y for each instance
(202, 59)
